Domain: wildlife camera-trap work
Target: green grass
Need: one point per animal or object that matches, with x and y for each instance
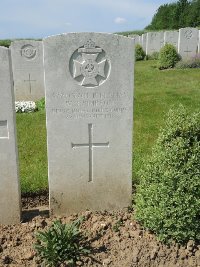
(32, 147)
(155, 93)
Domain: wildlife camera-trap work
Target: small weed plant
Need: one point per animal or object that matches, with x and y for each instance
(117, 225)
(61, 244)
(168, 57)
(40, 104)
(168, 196)
(139, 53)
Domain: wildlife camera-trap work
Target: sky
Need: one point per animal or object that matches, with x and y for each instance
(42, 18)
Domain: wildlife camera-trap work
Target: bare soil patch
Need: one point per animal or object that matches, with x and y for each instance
(117, 240)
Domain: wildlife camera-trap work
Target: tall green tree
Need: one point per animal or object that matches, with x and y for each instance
(180, 14)
(194, 16)
(163, 19)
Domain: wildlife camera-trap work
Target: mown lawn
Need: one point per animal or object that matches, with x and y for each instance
(155, 93)
(32, 148)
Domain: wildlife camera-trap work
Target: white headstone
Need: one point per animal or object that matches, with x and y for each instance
(171, 37)
(28, 71)
(140, 40)
(144, 42)
(135, 37)
(199, 43)
(188, 42)
(89, 102)
(10, 210)
(155, 40)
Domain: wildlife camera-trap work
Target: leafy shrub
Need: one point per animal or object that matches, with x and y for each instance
(193, 62)
(153, 56)
(40, 104)
(168, 57)
(61, 244)
(168, 196)
(139, 52)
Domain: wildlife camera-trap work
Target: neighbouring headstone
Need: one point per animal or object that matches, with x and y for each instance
(135, 37)
(10, 209)
(140, 40)
(89, 103)
(155, 40)
(144, 42)
(171, 37)
(188, 42)
(28, 71)
(199, 43)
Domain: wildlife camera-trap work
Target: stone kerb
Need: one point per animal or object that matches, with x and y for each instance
(28, 71)
(10, 209)
(89, 103)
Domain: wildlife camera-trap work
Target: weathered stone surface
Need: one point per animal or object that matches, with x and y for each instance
(188, 42)
(9, 182)
(28, 71)
(155, 40)
(136, 38)
(89, 102)
(144, 42)
(140, 39)
(171, 37)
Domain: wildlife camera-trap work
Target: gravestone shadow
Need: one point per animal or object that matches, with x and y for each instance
(28, 215)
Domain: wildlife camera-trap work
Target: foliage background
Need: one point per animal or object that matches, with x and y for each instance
(180, 14)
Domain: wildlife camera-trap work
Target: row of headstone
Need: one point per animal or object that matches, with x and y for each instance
(28, 71)
(9, 181)
(89, 105)
(27, 57)
(186, 41)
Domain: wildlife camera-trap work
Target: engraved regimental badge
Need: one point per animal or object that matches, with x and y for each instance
(89, 65)
(28, 51)
(188, 34)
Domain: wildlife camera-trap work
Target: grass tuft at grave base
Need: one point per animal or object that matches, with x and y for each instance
(156, 92)
(32, 149)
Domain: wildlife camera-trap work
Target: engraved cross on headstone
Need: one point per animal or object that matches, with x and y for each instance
(29, 80)
(90, 145)
(187, 51)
